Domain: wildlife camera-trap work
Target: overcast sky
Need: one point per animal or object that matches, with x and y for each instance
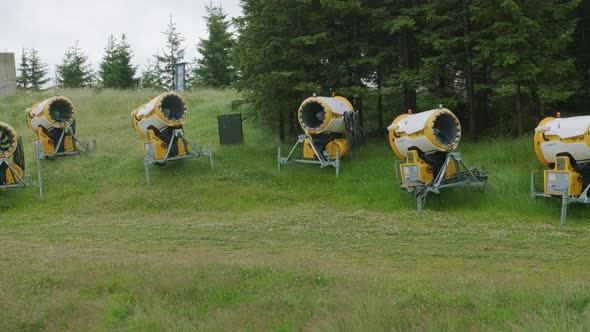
(52, 26)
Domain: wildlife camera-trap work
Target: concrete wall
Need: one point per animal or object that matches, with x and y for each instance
(7, 74)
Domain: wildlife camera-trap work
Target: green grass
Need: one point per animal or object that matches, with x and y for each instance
(248, 248)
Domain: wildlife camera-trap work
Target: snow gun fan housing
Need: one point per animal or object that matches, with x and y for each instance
(53, 123)
(422, 141)
(12, 163)
(324, 121)
(563, 146)
(157, 121)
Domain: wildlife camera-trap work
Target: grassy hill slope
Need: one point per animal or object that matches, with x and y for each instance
(247, 247)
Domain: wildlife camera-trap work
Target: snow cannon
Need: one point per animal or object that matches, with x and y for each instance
(562, 145)
(53, 122)
(160, 123)
(424, 142)
(331, 129)
(12, 160)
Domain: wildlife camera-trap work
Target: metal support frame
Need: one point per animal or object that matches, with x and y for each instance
(25, 180)
(69, 130)
(149, 157)
(566, 200)
(464, 177)
(324, 160)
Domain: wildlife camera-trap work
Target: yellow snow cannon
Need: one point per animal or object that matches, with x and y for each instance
(331, 129)
(160, 123)
(12, 160)
(562, 145)
(53, 122)
(425, 143)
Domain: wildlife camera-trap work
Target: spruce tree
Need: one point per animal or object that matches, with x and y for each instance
(75, 70)
(23, 79)
(37, 70)
(108, 66)
(116, 70)
(527, 43)
(214, 68)
(149, 77)
(171, 55)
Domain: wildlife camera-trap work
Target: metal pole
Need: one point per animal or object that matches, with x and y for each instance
(279, 157)
(337, 162)
(210, 157)
(564, 203)
(146, 167)
(39, 179)
(533, 195)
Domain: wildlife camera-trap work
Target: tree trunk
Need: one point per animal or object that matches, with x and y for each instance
(356, 77)
(518, 109)
(469, 74)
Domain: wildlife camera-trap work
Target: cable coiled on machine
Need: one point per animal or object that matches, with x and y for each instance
(355, 134)
(19, 154)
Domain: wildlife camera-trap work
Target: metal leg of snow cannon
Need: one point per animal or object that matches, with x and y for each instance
(196, 152)
(566, 200)
(20, 181)
(464, 177)
(322, 160)
(67, 131)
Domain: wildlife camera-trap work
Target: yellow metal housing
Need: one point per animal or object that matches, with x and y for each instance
(10, 177)
(563, 176)
(415, 170)
(338, 146)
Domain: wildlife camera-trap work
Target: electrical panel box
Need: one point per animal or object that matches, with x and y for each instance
(230, 129)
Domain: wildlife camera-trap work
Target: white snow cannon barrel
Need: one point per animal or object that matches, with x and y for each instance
(436, 130)
(563, 137)
(166, 110)
(323, 114)
(55, 112)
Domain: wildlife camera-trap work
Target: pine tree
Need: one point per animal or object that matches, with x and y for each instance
(126, 70)
(108, 66)
(214, 68)
(23, 79)
(75, 70)
(116, 70)
(172, 55)
(149, 78)
(527, 42)
(37, 70)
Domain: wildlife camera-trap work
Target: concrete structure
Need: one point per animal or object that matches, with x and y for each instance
(7, 74)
